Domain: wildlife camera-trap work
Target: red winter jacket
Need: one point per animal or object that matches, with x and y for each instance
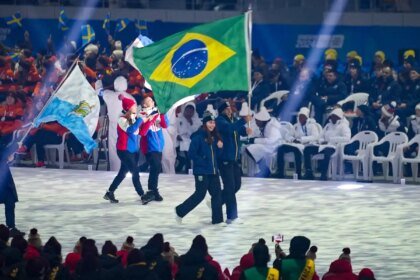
(340, 270)
(247, 261)
(217, 266)
(31, 253)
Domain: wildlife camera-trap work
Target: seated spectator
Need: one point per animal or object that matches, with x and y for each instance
(389, 91)
(127, 246)
(296, 67)
(354, 81)
(110, 263)
(329, 93)
(11, 113)
(153, 254)
(247, 261)
(186, 124)
(366, 274)
(389, 122)
(305, 132)
(260, 271)
(171, 256)
(336, 131)
(73, 258)
(296, 265)
(340, 270)
(88, 267)
(414, 124)
(261, 148)
(363, 120)
(34, 245)
(51, 252)
(137, 267)
(197, 264)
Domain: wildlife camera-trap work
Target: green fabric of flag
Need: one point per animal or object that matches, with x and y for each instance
(207, 58)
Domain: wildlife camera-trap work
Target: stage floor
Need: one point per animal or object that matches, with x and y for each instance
(379, 222)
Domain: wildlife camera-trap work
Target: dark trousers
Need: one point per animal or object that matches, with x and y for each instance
(230, 171)
(183, 161)
(9, 211)
(128, 163)
(155, 162)
(204, 183)
(284, 149)
(74, 145)
(380, 150)
(41, 138)
(312, 150)
(320, 106)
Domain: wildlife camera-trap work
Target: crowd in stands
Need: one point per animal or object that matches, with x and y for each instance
(27, 79)
(30, 258)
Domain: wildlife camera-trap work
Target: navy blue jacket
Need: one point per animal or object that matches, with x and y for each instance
(203, 155)
(230, 131)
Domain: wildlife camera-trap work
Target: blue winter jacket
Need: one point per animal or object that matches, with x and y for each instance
(203, 155)
(230, 131)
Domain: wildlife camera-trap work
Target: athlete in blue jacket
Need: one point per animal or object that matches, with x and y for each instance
(204, 151)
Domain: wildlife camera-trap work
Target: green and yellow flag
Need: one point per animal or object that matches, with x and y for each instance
(207, 58)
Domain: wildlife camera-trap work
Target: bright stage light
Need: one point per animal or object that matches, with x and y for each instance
(350, 187)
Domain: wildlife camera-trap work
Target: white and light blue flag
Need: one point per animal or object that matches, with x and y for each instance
(75, 106)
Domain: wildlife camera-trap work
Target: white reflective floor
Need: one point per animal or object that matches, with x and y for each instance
(379, 222)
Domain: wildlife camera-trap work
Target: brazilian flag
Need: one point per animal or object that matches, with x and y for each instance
(207, 58)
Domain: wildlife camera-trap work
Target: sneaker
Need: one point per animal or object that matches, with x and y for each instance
(308, 176)
(110, 196)
(157, 196)
(147, 198)
(40, 164)
(15, 232)
(178, 219)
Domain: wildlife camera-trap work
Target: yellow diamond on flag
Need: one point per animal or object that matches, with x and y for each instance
(190, 60)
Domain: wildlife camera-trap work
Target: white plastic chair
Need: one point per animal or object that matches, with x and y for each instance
(414, 161)
(275, 95)
(50, 151)
(17, 137)
(360, 98)
(395, 139)
(362, 156)
(286, 128)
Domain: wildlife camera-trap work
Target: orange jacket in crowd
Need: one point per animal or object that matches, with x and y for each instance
(10, 118)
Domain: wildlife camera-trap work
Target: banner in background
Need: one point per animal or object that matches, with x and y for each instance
(271, 40)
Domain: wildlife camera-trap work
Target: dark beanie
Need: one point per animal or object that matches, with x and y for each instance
(208, 116)
(199, 243)
(223, 106)
(365, 109)
(4, 233)
(299, 245)
(109, 248)
(261, 253)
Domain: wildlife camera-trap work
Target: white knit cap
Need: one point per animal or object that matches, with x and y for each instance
(263, 115)
(118, 54)
(92, 48)
(304, 111)
(418, 106)
(118, 45)
(338, 112)
(120, 84)
(244, 110)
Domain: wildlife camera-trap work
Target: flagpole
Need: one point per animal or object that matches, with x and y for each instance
(48, 101)
(248, 37)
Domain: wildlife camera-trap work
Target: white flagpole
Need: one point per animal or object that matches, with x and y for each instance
(248, 38)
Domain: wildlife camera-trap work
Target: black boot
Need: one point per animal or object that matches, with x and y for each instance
(110, 196)
(157, 196)
(15, 232)
(148, 197)
(308, 175)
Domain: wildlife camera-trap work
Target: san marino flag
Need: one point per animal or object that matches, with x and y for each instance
(75, 106)
(208, 57)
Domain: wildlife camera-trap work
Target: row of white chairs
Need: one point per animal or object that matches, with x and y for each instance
(363, 159)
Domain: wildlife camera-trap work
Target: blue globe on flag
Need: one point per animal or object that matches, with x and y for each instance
(190, 59)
